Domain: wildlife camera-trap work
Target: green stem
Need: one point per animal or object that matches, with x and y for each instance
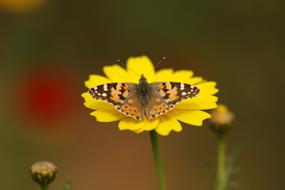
(44, 187)
(156, 156)
(221, 173)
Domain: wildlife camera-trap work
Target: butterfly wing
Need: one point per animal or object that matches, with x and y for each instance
(132, 108)
(122, 96)
(165, 95)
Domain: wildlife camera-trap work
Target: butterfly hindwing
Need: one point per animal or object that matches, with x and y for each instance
(157, 106)
(132, 108)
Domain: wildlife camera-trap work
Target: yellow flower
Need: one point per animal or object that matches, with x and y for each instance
(20, 6)
(188, 111)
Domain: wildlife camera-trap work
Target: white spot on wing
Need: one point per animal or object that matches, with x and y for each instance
(105, 87)
(182, 86)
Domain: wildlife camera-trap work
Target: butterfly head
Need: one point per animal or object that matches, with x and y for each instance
(142, 80)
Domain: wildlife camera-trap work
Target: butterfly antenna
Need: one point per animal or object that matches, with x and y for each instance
(120, 62)
(156, 66)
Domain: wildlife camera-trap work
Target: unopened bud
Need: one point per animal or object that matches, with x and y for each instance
(222, 119)
(43, 172)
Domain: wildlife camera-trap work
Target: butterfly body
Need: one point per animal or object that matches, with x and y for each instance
(144, 100)
(143, 92)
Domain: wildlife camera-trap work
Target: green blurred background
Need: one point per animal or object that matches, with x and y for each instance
(51, 46)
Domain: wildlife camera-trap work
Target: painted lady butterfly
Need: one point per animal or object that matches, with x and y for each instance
(144, 100)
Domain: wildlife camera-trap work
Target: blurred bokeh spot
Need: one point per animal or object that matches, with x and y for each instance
(20, 6)
(46, 93)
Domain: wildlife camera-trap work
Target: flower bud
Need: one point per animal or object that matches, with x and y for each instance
(222, 119)
(43, 172)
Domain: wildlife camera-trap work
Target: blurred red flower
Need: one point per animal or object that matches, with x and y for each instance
(47, 94)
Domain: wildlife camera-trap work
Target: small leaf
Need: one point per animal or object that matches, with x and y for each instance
(231, 168)
(67, 185)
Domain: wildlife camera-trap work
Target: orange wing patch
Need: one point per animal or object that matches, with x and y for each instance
(119, 92)
(115, 95)
(157, 108)
(168, 90)
(131, 109)
(172, 94)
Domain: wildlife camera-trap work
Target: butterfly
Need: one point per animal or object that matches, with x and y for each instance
(144, 100)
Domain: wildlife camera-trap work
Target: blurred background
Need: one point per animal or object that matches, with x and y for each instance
(48, 48)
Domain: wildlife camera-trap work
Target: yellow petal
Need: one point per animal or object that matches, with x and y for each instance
(107, 115)
(148, 125)
(168, 123)
(137, 66)
(204, 100)
(169, 75)
(130, 124)
(190, 117)
(163, 75)
(207, 88)
(116, 73)
(96, 104)
(181, 76)
(96, 80)
(194, 80)
(198, 103)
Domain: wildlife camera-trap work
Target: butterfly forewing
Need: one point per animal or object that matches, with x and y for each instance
(173, 92)
(121, 95)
